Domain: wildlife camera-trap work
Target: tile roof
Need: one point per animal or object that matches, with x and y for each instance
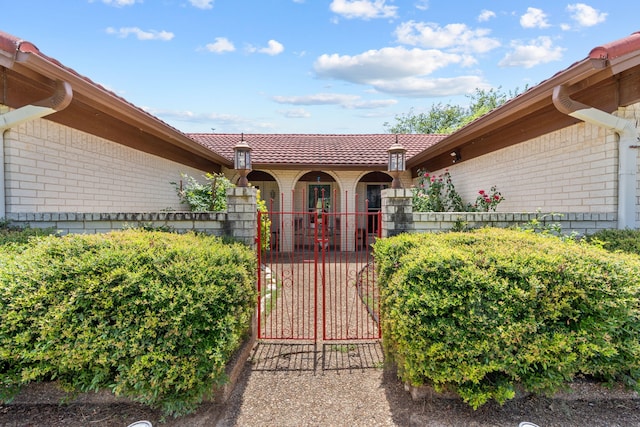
(317, 149)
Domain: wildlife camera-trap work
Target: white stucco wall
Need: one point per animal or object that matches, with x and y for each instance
(53, 168)
(571, 170)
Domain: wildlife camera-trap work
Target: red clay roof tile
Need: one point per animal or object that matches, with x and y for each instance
(317, 149)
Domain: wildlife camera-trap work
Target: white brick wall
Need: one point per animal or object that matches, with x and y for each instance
(53, 168)
(571, 170)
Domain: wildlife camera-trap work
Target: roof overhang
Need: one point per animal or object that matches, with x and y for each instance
(318, 166)
(27, 75)
(607, 79)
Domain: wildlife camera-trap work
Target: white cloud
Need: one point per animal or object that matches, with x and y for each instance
(354, 102)
(221, 45)
(422, 87)
(585, 15)
(538, 51)
(317, 99)
(453, 36)
(363, 9)
(220, 122)
(298, 113)
(141, 34)
(485, 15)
(120, 3)
(273, 48)
(534, 18)
(422, 5)
(375, 104)
(202, 4)
(399, 71)
(384, 64)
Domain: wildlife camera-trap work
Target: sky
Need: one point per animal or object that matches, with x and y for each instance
(312, 66)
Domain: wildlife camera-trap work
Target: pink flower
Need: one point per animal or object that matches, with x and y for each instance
(426, 175)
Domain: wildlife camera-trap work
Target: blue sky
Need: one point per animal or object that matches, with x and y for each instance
(312, 66)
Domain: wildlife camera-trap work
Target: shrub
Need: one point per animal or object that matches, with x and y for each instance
(202, 197)
(149, 315)
(16, 236)
(436, 193)
(482, 313)
(617, 240)
(265, 222)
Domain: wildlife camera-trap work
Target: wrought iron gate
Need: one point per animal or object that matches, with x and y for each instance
(317, 278)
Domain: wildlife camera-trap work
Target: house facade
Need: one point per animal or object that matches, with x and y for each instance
(567, 145)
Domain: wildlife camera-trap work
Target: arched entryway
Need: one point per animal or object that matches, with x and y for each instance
(369, 189)
(268, 186)
(314, 186)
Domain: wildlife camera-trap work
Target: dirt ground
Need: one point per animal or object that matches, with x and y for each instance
(328, 385)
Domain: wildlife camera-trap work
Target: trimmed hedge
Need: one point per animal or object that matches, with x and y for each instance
(14, 237)
(617, 240)
(149, 315)
(487, 312)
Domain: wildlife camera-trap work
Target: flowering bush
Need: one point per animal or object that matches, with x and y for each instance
(436, 193)
(486, 202)
(203, 197)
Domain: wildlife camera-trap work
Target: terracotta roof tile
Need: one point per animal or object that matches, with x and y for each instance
(317, 149)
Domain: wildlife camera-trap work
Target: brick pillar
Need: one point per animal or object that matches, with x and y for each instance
(242, 215)
(397, 211)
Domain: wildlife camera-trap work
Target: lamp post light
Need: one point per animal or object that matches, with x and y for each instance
(242, 160)
(396, 162)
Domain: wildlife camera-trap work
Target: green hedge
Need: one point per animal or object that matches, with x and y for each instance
(149, 315)
(618, 240)
(487, 312)
(14, 237)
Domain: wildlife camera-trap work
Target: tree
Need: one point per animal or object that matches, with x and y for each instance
(447, 118)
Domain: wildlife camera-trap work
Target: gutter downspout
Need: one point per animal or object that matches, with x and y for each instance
(56, 102)
(627, 154)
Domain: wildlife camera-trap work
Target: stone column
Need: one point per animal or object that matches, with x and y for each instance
(242, 215)
(397, 211)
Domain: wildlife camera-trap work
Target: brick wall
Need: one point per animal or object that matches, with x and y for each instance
(53, 168)
(398, 217)
(238, 222)
(573, 170)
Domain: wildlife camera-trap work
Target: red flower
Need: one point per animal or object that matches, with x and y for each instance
(481, 192)
(497, 197)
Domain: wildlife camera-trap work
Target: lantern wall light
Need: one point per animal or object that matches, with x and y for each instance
(242, 160)
(396, 163)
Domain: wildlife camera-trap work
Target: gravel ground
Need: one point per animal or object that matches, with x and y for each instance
(329, 385)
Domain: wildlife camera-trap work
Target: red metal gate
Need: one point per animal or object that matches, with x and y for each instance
(317, 279)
